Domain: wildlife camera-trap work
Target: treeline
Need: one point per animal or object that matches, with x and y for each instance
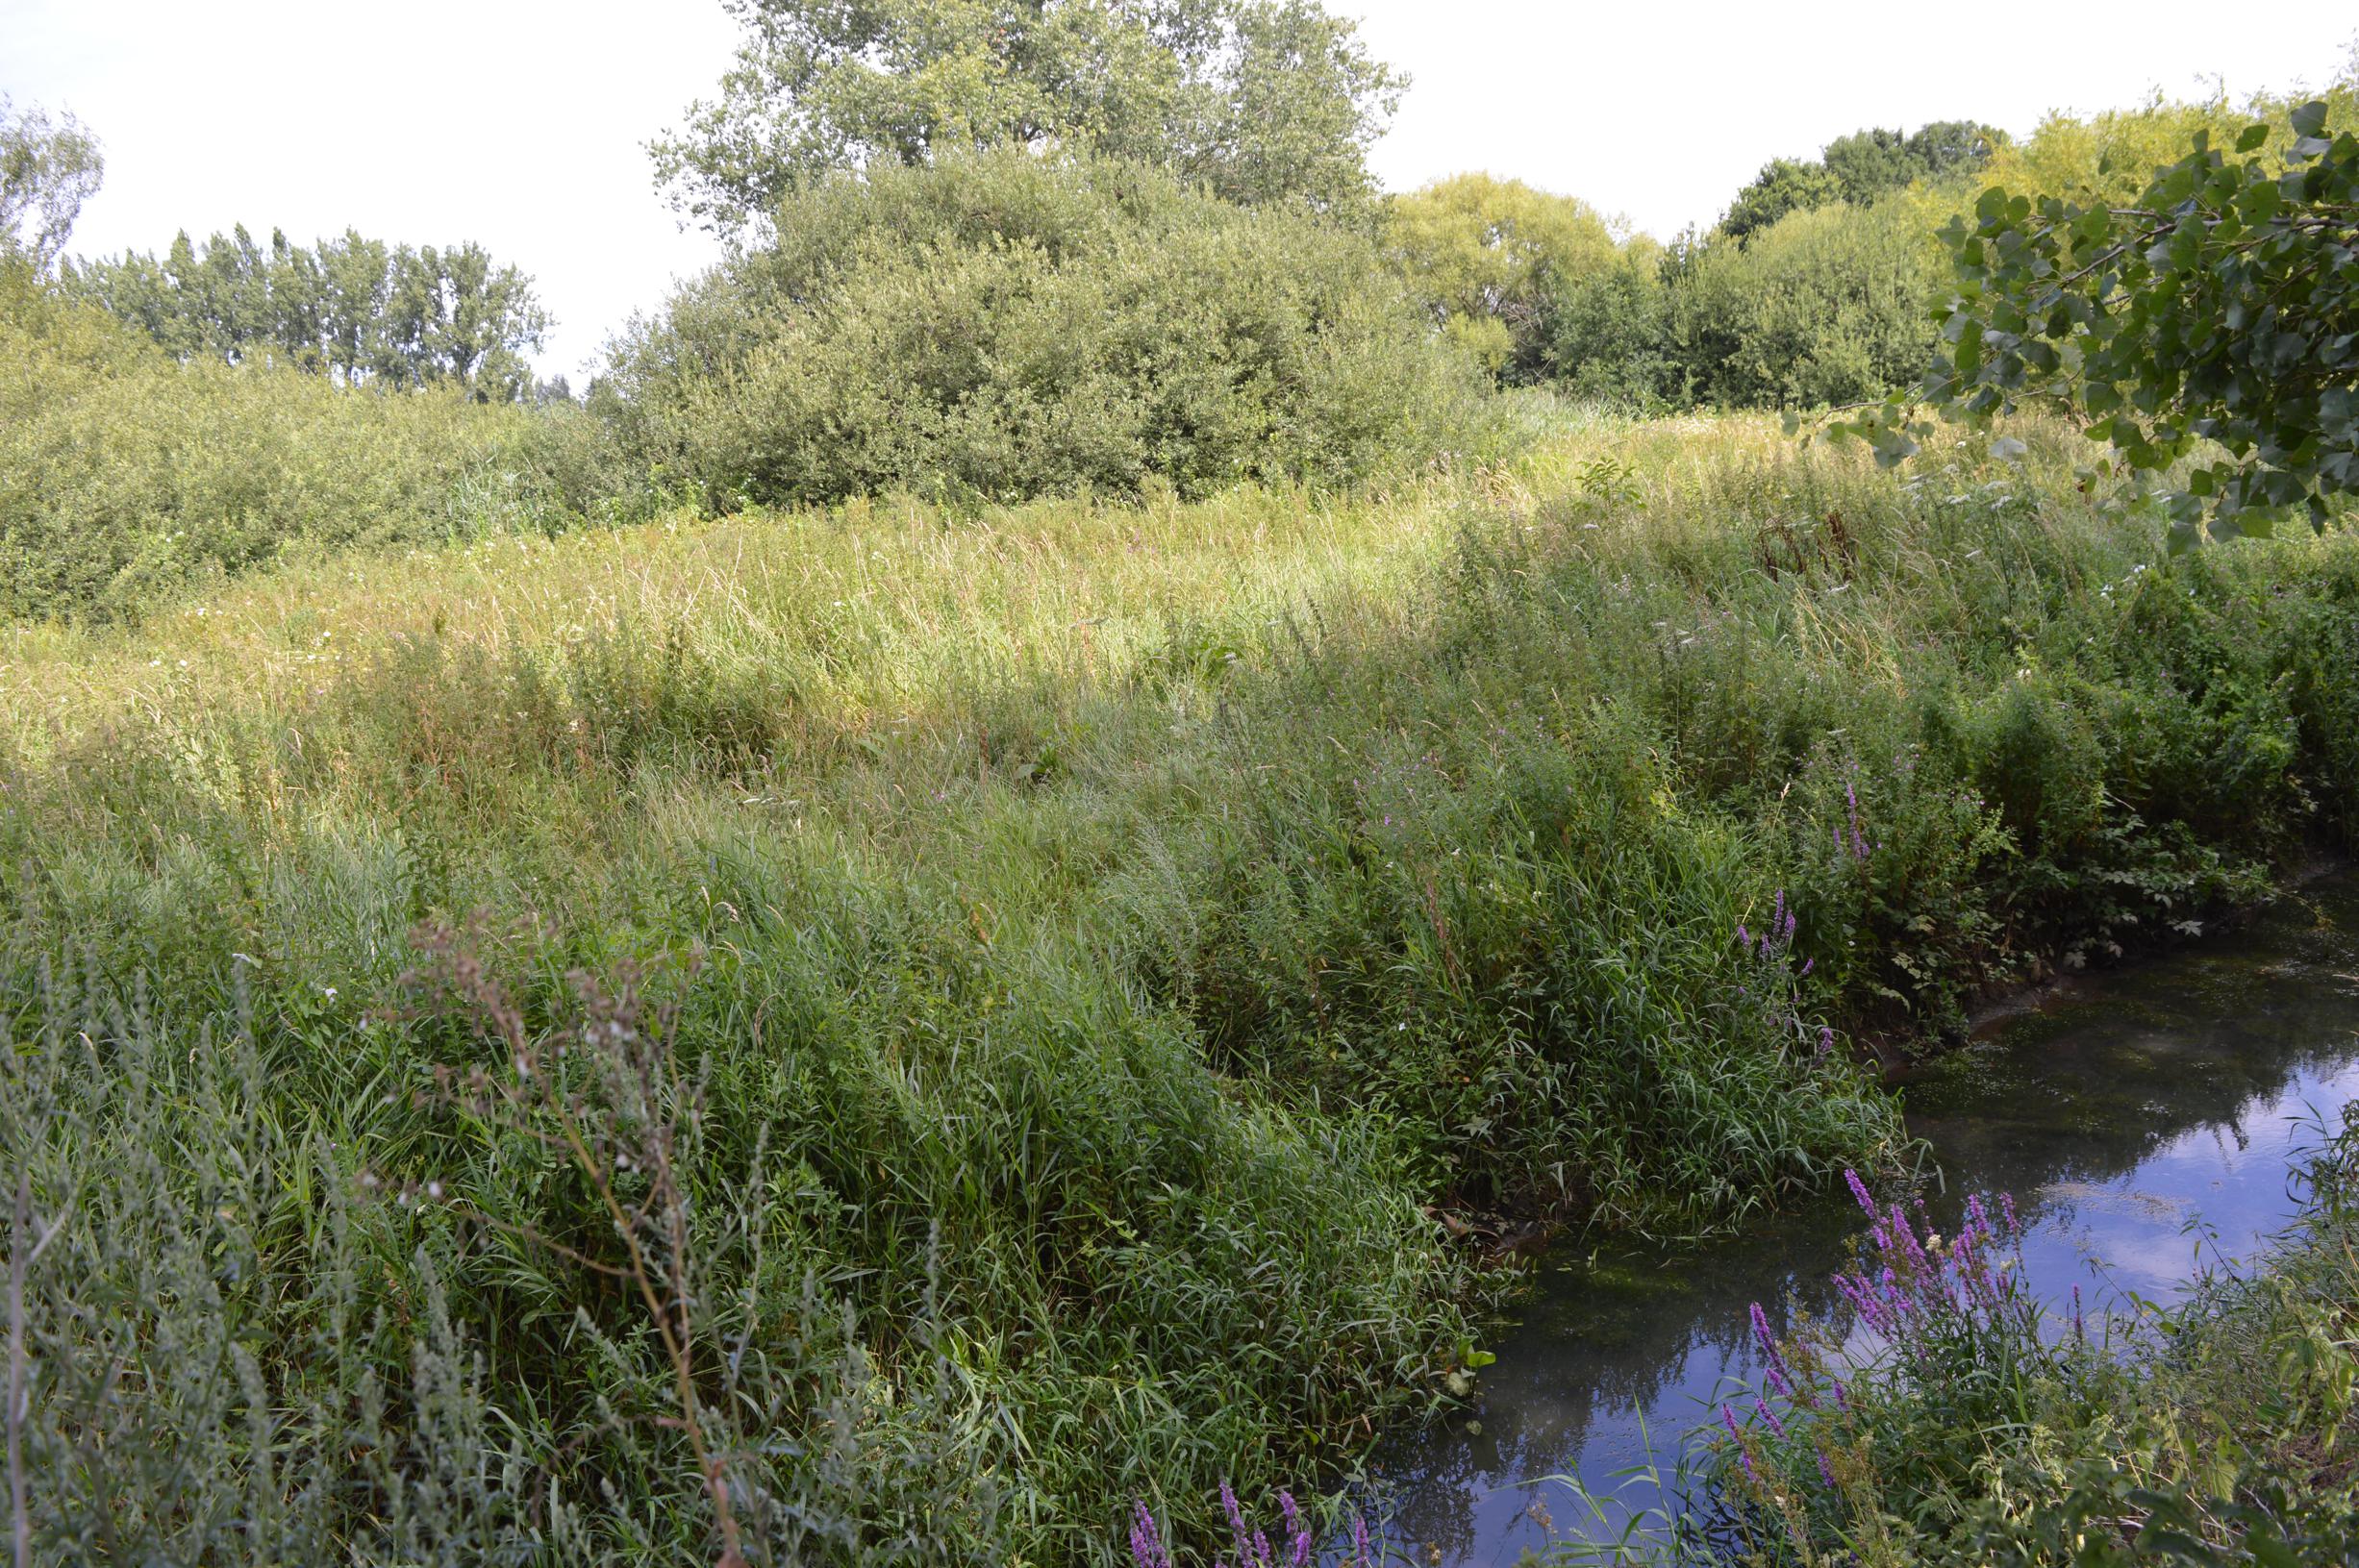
(960, 268)
(1814, 289)
(364, 312)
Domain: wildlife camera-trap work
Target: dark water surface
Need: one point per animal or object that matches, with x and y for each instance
(2136, 1116)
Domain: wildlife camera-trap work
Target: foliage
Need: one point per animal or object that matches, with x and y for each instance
(1487, 258)
(2183, 306)
(2212, 322)
(1009, 325)
(363, 312)
(48, 169)
(1264, 102)
(127, 478)
(1607, 336)
(1858, 169)
(1831, 305)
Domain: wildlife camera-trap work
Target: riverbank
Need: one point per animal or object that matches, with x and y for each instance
(2143, 1120)
(1087, 944)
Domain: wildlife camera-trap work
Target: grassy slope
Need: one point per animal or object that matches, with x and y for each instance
(1119, 924)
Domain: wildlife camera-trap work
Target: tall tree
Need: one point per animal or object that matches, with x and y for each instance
(353, 308)
(1263, 100)
(1858, 168)
(48, 169)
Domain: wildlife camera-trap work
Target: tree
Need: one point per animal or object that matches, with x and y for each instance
(1486, 255)
(1263, 100)
(48, 169)
(451, 315)
(352, 308)
(1859, 168)
(1784, 184)
(2207, 330)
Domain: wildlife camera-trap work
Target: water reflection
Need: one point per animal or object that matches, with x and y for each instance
(2139, 1117)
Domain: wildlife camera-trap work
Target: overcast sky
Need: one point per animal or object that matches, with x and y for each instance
(521, 123)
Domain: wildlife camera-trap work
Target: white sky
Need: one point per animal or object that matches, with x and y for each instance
(520, 123)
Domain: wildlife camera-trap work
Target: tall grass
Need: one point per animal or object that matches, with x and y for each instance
(1127, 943)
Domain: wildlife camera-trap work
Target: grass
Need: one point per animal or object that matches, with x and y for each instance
(1099, 956)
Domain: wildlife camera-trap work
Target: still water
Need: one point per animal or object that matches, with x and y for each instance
(2146, 1120)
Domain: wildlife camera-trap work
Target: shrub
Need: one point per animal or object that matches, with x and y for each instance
(1607, 336)
(1826, 306)
(126, 476)
(1006, 325)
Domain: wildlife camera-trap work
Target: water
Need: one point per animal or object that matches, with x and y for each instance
(2146, 1120)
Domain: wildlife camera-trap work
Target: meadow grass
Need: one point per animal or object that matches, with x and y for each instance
(1101, 954)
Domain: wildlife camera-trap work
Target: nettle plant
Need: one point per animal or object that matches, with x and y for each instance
(2208, 333)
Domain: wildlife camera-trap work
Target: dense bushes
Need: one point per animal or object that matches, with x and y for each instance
(1008, 325)
(126, 477)
(1828, 305)
(1486, 258)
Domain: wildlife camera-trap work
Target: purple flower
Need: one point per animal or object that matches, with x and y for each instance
(1744, 1457)
(1826, 1472)
(1771, 1416)
(1237, 1522)
(1146, 1548)
(1298, 1532)
(1859, 1190)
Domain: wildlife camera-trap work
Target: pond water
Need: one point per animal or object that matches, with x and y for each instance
(2146, 1119)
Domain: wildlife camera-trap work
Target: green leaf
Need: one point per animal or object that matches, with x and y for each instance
(2310, 120)
(2252, 137)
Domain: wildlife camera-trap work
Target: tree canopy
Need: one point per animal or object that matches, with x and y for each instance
(1486, 257)
(359, 310)
(1858, 168)
(48, 169)
(1262, 101)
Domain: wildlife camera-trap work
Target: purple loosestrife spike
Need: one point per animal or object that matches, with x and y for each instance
(1768, 1415)
(1744, 1457)
(1826, 1472)
(1237, 1522)
(1261, 1552)
(2006, 1206)
(1859, 1190)
(1361, 1556)
(1146, 1548)
(1298, 1532)
(1744, 939)
(1808, 964)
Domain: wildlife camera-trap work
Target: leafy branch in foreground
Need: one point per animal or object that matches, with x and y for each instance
(2208, 332)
